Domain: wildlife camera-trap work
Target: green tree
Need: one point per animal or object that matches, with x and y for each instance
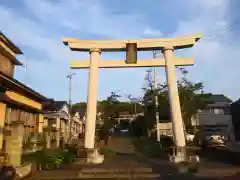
(109, 108)
(113, 98)
(190, 95)
(139, 127)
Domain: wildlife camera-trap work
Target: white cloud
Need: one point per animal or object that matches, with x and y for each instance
(41, 30)
(152, 32)
(41, 73)
(87, 16)
(211, 4)
(26, 32)
(47, 22)
(215, 57)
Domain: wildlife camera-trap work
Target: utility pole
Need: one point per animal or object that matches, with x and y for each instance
(156, 99)
(70, 102)
(70, 87)
(134, 101)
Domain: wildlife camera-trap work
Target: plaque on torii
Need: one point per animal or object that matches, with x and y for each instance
(166, 45)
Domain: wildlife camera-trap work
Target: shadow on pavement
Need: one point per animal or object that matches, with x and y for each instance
(168, 171)
(221, 155)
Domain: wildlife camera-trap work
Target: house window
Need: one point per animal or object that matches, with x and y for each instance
(217, 110)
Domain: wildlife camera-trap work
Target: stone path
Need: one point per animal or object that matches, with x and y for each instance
(123, 165)
(120, 145)
(127, 164)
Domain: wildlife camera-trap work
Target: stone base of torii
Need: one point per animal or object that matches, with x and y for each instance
(166, 45)
(89, 156)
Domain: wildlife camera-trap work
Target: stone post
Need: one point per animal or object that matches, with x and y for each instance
(2, 122)
(176, 116)
(58, 138)
(47, 134)
(69, 128)
(68, 131)
(40, 123)
(66, 136)
(14, 143)
(34, 141)
(58, 131)
(92, 99)
(75, 130)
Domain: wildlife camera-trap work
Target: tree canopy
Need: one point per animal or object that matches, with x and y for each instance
(190, 95)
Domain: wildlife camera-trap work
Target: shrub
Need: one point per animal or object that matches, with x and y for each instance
(166, 141)
(150, 148)
(190, 168)
(47, 160)
(67, 157)
(72, 148)
(107, 152)
(51, 159)
(193, 170)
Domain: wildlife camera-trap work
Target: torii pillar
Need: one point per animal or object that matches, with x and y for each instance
(167, 45)
(92, 99)
(176, 115)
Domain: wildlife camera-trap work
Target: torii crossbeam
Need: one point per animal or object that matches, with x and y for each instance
(166, 45)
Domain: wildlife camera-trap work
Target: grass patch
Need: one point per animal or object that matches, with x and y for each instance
(193, 170)
(107, 152)
(29, 157)
(151, 148)
(189, 168)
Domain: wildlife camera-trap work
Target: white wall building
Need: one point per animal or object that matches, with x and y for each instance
(216, 117)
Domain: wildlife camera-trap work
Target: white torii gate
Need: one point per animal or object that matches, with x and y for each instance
(167, 45)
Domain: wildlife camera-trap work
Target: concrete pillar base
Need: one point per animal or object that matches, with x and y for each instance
(23, 170)
(179, 155)
(176, 159)
(90, 156)
(182, 154)
(14, 143)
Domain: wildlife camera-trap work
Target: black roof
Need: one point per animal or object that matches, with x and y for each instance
(216, 98)
(236, 102)
(81, 110)
(10, 82)
(54, 105)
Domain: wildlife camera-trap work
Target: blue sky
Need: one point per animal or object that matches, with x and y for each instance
(37, 27)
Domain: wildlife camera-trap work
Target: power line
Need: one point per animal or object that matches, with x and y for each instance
(221, 31)
(227, 26)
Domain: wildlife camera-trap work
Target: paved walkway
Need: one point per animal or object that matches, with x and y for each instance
(120, 145)
(207, 169)
(127, 162)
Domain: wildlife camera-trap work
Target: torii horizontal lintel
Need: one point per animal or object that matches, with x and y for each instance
(84, 64)
(142, 44)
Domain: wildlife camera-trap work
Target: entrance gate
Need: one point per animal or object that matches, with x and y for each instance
(166, 45)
